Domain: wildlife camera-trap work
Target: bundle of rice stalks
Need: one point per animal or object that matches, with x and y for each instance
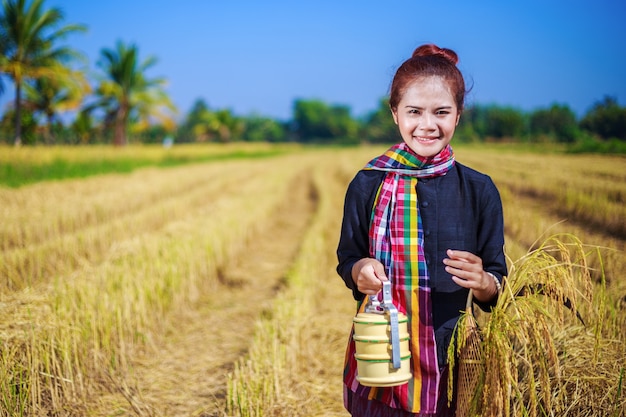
(532, 342)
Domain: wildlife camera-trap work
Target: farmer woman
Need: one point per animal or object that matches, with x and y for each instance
(427, 223)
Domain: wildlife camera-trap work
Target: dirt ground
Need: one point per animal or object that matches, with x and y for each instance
(185, 374)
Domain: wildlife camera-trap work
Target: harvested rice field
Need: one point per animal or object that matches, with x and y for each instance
(208, 288)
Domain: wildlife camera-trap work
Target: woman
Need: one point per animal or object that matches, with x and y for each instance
(432, 226)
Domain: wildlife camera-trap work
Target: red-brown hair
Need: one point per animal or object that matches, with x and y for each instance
(427, 61)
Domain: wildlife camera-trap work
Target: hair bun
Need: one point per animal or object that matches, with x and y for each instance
(433, 50)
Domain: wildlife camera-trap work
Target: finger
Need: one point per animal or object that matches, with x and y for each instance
(369, 282)
(462, 255)
(368, 291)
(459, 273)
(464, 268)
(463, 265)
(463, 282)
(455, 263)
(379, 271)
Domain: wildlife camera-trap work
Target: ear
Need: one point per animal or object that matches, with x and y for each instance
(458, 118)
(394, 114)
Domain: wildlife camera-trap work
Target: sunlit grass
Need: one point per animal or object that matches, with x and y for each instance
(296, 357)
(587, 189)
(26, 165)
(81, 321)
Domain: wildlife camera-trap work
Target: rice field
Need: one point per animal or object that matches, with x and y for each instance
(206, 287)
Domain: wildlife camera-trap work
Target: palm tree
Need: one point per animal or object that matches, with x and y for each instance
(51, 96)
(126, 94)
(28, 33)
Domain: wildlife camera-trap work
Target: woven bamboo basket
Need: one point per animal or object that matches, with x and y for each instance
(470, 360)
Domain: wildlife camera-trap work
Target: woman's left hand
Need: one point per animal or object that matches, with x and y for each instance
(467, 271)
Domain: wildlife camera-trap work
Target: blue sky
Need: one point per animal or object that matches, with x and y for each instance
(259, 56)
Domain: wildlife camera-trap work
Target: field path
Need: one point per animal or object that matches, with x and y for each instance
(184, 374)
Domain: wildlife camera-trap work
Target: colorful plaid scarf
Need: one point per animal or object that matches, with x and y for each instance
(397, 241)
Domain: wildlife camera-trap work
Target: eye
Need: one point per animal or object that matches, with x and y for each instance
(443, 112)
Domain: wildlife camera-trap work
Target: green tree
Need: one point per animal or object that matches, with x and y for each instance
(28, 36)
(607, 119)
(504, 122)
(205, 125)
(126, 94)
(49, 97)
(154, 134)
(185, 133)
(225, 126)
(263, 129)
(492, 122)
(558, 122)
(379, 127)
(315, 120)
(472, 125)
(27, 121)
(83, 128)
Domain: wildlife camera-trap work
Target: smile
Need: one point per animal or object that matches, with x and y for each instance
(423, 139)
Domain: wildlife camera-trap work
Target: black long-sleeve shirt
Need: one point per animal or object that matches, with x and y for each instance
(461, 210)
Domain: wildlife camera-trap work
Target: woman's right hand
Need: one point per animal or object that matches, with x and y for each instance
(368, 274)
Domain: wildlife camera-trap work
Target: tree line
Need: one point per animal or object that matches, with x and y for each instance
(124, 104)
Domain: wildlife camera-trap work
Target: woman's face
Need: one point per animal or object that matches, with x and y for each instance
(427, 116)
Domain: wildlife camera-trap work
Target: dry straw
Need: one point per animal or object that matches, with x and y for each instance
(64, 334)
(528, 348)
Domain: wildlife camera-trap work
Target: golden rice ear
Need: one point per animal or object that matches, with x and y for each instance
(533, 343)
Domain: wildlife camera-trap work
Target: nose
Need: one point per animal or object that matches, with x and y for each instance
(427, 122)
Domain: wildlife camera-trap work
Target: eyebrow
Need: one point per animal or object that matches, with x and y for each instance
(408, 106)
